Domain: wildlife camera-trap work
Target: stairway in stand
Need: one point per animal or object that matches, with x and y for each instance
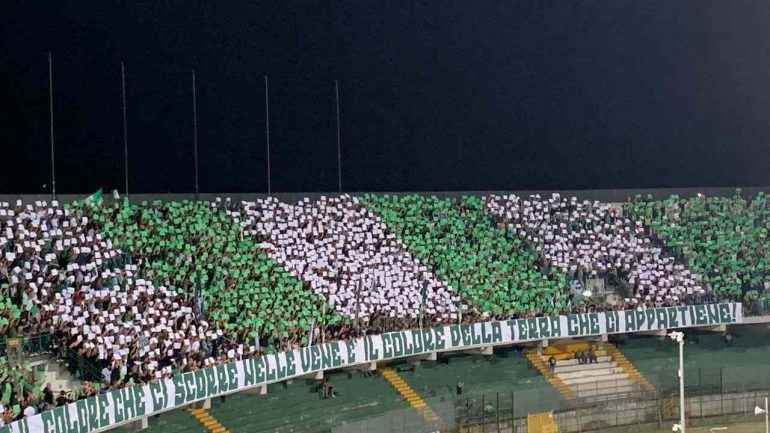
(540, 363)
(208, 421)
(670, 405)
(612, 376)
(409, 394)
(55, 372)
(629, 368)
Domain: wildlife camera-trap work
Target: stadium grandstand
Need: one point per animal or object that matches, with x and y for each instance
(384, 217)
(381, 312)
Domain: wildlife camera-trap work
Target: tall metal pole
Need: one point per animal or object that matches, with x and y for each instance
(767, 421)
(267, 136)
(50, 109)
(681, 384)
(339, 153)
(195, 133)
(422, 300)
(358, 306)
(125, 126)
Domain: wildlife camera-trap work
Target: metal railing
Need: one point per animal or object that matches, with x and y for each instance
(715, 380)
(406, 420)
(31, 345)
(760, 307)
(714, 395)
(498, 414)
(504, 413)
(81, 367)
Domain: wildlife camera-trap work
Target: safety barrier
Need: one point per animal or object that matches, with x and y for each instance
(134, 403)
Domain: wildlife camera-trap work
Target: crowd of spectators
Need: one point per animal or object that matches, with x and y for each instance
(724, 239)
(199, 252)
(593, 239)
(494, 274)
(23, 394)
(346, 254)
(116, 310)
(146, 290)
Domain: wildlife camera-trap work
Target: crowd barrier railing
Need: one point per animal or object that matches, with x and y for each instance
(131, 404)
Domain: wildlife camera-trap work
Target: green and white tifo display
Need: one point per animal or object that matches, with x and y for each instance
(159, 303)
(134, 402)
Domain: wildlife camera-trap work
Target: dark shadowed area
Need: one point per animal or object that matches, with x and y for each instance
(451, 95)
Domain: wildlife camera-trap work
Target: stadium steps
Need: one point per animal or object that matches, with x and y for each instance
(573, 365)
(586, 382)
(566, 351)
(208, 421)
(598, 381)
(670, 405)
(612, 376)
(537, 360)
(175, 421)
(597, 369)
(56, 373)
(629, 368)
(298, 407)
(408, 394)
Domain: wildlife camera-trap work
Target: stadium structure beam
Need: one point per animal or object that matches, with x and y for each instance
(50, 111)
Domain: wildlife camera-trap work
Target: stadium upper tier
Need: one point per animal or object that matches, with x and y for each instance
(494, 273)
(725, 239)
(345, 253)
(194, 248)
(596, 239)
(153, 288)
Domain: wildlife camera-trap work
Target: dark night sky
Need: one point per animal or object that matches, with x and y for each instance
(450, 95)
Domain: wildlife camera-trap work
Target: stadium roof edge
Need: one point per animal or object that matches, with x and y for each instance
(606, 195)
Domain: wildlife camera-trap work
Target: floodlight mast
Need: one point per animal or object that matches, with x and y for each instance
(679, 338)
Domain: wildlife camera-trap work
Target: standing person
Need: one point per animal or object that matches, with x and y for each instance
(48, 396)
(62, 399)
(107, 375)
(728, 339)
(30, 409)
(327, 390)
(552, 365)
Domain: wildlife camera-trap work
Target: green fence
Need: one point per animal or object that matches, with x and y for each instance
(498, 413)
(714, 394)
(715, 380)
(406, 420)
